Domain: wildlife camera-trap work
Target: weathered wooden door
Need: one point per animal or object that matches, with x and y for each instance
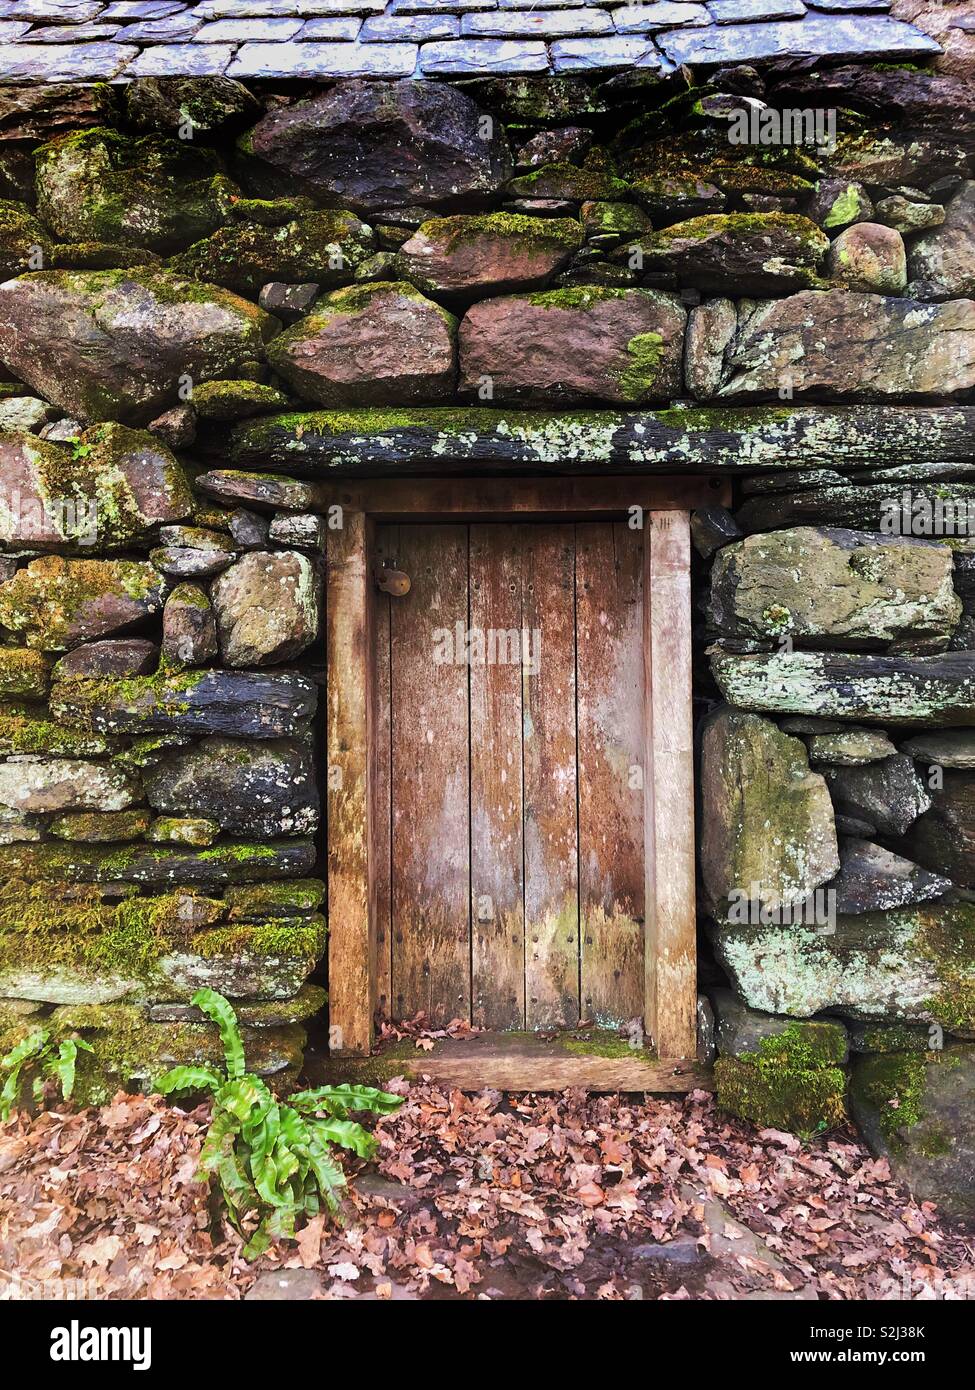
(510, 738)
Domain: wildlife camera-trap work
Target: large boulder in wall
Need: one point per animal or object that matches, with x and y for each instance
(844, 345)
(116, 344)
(767, 820)
(910, 965)
(378, 344)
(836, 587)
(264, 787)
(378, 145)
(917, 1109)
(570, 346)
(153, 192)
(111, 492)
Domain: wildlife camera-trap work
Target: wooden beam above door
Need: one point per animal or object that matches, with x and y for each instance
(489, 499)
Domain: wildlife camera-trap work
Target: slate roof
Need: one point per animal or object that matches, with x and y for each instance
(83, 40)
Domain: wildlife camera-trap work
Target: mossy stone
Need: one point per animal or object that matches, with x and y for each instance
(775, 1094)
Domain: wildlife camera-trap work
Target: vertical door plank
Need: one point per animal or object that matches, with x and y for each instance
(497, 850)
(385, 550)
(669, 826)
(551, 849)
(609, 621)
(351, 950)
(430, 767)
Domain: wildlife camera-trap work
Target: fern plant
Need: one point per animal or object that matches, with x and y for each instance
(39, 1059)
(272, 1159)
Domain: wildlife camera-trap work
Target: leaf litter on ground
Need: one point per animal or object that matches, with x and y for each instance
(484, 1196)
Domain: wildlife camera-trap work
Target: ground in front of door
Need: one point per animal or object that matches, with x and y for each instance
(482, 1196)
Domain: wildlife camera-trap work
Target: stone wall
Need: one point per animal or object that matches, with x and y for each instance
(214, 297)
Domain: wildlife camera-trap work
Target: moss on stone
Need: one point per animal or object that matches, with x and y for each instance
(22, 731)
(776, 1093)
(24, 672)
(256, 900)
(293, 937)
(95, 827)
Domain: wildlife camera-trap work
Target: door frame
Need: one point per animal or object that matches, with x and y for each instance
(670, 974)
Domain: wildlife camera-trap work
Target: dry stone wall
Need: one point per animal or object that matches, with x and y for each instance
(214, 298)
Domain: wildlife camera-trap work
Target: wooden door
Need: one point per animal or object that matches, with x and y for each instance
(510, 735)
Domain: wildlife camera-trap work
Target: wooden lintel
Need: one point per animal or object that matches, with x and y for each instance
(485, 499)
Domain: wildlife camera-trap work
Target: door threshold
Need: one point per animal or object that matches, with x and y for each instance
(524, 1062)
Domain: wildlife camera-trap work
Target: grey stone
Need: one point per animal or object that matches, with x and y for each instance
(304, 531)
(324, 60)
(907, 964)
(248, 30)
(872, 879)
(916, 1109)
(263, 491)
(624, 51)
(546, 24)
(264, 788)
(853, 346)
(869, 257)
(907, 215)
(841, 588)
(189, 628)
(64, 784)
(710, 329)
(479, 57)
(288, 302)
(65, 62)
(58, 603)
(25, 413)
(742, 11)
(712, 528)
(182, 60)
(740, 1031)
(267, 607)
(170, 30)
(664, 14)
(839, 203)
(248, 529)
(102, 369)
(812, 37)
(888, 794)
(132, 656)
(336, 28)
(767, 830)
(945, 257)
(928, 691)
(246, 704)
(953, 748)
(338, 146)
(850, 747)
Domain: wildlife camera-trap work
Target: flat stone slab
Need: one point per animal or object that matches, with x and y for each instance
(41, 41)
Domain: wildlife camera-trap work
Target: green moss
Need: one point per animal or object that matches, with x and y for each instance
(46, 598)
(639, 376)
(779, 1095)
(845, 209)
(449, 233)
(568, 181)
(94, 827)
(300, 937)
(893, 1086)
(24, 672)
(21, 731)
(575, 297)
(601, 1042)
(257, 900)
(947, 939)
